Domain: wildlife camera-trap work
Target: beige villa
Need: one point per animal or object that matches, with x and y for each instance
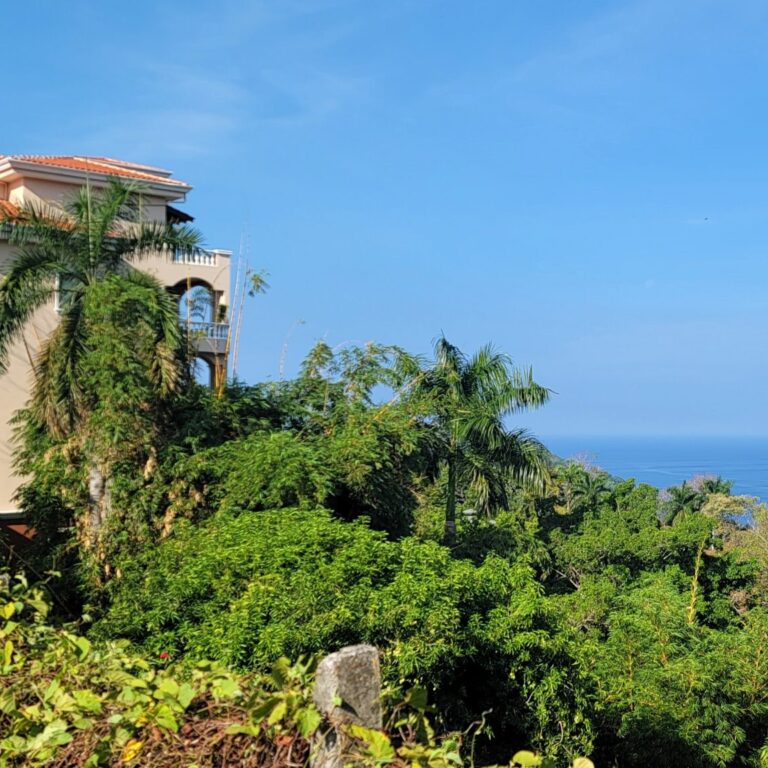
(26, 178)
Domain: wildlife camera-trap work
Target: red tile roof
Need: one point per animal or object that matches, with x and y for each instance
(154, 169)
(102, 165)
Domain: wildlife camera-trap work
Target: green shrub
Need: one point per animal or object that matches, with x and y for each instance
(269, 470)
(677, 690)
(65, 701)
(249, 588)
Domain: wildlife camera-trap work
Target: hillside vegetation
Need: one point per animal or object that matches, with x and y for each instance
(377, 497)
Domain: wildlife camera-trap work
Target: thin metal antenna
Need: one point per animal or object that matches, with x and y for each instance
(88, 199)
(241, 308)
(235, 294)
(284, 350)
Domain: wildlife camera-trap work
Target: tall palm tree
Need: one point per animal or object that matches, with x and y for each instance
(468, 399)
(60, 252)
(67, 252)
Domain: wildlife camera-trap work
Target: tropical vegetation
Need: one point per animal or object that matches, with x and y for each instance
(189, 541)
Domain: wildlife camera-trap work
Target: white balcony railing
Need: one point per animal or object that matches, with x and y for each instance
(198, 258)
(207, 330)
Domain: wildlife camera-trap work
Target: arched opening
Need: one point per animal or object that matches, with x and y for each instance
(202, 371)
(202, 315)
(196, 305)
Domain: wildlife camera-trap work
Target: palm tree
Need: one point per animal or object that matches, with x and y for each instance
(590, 489)
(468, 399)
(60, 253)
(716, 485)
(65, 253)
(682, 500)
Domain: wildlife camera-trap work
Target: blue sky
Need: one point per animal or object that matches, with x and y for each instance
(582, 183)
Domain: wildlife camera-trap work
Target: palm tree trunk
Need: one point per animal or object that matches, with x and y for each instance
(96, 494)
(100, 497)
(450, 506)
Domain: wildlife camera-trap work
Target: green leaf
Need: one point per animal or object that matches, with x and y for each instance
(53, 735)
(11, 745)
(378, 746)
(308, 721)
(93, 761)
(87, 700)
(185, 695)
(417, 698)
(84, 646)
(8, 628)
(281, 672)
(278, 713)
(264, 708)
(168, 687)
(165, 718)
(123, 679)
(51, 690)
(7, 702)
(526, 759)
(225, 688)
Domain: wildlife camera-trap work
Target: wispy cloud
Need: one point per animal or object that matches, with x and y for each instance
(293, 97)
(595, 58)
(237, 74)
(158, 133)
(201, 85)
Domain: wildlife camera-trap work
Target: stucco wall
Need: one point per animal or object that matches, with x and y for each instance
(31, 190)
(178, 274)
(15, 386)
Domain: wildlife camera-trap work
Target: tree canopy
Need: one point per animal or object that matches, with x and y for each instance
(566, 609)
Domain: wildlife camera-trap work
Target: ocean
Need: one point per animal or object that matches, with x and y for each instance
(663, 462)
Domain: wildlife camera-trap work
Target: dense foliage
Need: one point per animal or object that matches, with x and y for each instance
(377, 497)
(590, 616)
(249, 588)
(67, 701)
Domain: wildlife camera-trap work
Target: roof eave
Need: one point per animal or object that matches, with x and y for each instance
(11, 168)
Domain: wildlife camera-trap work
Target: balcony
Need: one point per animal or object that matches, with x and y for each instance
(207, 330)
(177, 270)
(210, 338)
(201, 258)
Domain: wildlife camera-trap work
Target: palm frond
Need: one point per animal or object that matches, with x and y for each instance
(485, 483)
(526, 460)
(118, 200)
(39, 222)
(449, 359)
(111, 227)
(143, 239)
(527, 391)
(57, 397)
(487, 371)
(480, 425)
(162, 313)
(100, 214)
(29, 285)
